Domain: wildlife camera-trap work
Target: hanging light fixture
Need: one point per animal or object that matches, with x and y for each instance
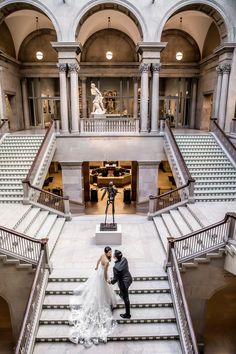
(39, 53)
(179, 54)
(109, 53)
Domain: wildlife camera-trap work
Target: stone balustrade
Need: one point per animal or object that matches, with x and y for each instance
(109, 125)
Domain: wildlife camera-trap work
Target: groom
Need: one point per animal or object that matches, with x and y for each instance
(124, 279)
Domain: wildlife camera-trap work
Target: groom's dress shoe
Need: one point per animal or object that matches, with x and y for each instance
(125, 315)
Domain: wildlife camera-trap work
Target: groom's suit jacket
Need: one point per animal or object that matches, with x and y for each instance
(122, 274)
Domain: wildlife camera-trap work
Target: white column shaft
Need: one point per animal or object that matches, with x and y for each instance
(218, 93)
(63, 98)
(25, 103)
(135, 108)
(223, 96)
(74, 101)
(84, 98)
(193, 104)
(144, 97)
(155, 97)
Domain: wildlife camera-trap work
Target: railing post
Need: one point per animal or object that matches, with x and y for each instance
(167, 262)
(67, 208)
(191, 191)
(232, 226)
(44, 247)
(162, 125)
(26, 190)
(152, 203)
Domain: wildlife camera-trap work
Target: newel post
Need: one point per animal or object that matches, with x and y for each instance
(67, 208)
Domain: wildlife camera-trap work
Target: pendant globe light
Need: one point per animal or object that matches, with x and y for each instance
(179, 54)
(39, 53)
(109, 53)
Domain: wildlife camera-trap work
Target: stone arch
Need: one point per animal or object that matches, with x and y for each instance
(9, 6)
(117, 5)
(43, 38)
(215, 11)
(127, 52)
(6, 325)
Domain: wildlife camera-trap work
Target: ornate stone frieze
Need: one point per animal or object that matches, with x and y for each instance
(156, 67)
(62, 68)
(74, 67)
(144, 67)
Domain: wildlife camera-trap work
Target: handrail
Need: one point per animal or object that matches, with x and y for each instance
(225, 141)
(169, 192)
(4, 126)
(14, 244)
(202, 241)
(33, 169)
(187, 335)
(31, 309)
(178, 154)
(48, 199)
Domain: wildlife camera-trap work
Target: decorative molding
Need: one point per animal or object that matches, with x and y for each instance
(62, 68)
(144, 67)
(156, 67)
(226, 68)
(219, 70)
(74, 67)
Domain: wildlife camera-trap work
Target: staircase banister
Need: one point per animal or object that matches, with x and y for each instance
(49, 131)
(43, 241)
(47, 192)
(178, 150)
(206, 228)
(151, 197)
(221, 131)
(184, 301)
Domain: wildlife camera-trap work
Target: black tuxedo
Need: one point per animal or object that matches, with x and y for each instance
(124, 279)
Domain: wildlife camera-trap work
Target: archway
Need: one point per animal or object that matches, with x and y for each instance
(221, 322)
(6, 337)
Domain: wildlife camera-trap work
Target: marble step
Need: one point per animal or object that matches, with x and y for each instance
(134, 299)
(47, 226)
(170, 225)
(215, 198)
(11, 194)
(180, 222)
(10, 200)
(54, 233)
(121, 347)
(146, 305)
(64, 286)
(137, 313)
(38, 223)
(157, 329)
(215, 192)
(190, 219)
(131, 291)
(162, 230)
(218, 187)
(28, 220)
(218, 183)
(11, 188)
(81, 279)
(118, 320)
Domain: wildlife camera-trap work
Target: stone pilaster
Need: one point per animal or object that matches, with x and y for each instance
(155, 97)
(74, 92)
(63, 97)
(147, 181)
(72, 179)
(224, 93)
(84, 97)
(25, 103)
(135, 107)
(218, 91)
(144, 69)
(193, 104)
(2, 101)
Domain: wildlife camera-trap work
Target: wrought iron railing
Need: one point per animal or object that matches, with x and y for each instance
(39, 156)
(223, 138)
(187, 335)
(49, 200)
(205, 240)
(26, 333)
(165, 200)
(15, 244)
(109, 125)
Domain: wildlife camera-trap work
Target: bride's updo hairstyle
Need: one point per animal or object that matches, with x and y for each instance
(106, 250)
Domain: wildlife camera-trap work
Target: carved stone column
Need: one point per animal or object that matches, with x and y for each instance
(74, 93)
(63, 97)
(218, 92)
(144, 69)
(135, 107)
(224, 93)
(155, 97)
(84, 98)
(25, 103)
(2, 100)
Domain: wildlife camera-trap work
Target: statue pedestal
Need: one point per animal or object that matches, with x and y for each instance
(107, 238)
(98, 116)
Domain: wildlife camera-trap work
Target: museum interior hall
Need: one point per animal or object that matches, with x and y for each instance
(118, 128)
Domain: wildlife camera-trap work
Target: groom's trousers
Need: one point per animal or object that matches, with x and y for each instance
(124, 292)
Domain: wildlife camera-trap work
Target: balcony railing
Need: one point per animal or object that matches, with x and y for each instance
(109, 125)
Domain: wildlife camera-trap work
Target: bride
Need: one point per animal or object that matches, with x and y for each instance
(92, 319)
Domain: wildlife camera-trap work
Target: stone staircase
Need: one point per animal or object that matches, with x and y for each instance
(153, 320)
(33, 222)
(214, 173)
(17, 153)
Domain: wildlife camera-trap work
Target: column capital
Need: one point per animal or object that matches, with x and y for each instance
(148, 164)
(225, 68)
(62, 67)
(156, 67)
(74, 67)
(219, 70)
(144, 67)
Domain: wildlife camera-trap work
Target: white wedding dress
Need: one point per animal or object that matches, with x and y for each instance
(91, 313)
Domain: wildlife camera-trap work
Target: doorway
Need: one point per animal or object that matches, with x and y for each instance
(6, 337)
(98, 174)
(10, 102)
(206, 111)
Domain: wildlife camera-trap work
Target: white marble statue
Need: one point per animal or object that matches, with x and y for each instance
(98, 107)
